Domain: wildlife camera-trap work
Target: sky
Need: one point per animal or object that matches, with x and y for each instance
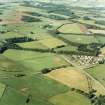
(61, 0)
(84, 2)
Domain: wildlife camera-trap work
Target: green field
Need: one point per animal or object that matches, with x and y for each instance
(52, 42)
(98, 73)
(37, 86)
(2, 89)
(70, 98)
(35, 60)
(10, 97)
(46, 91)
(33, 45)
(82, 39)
(9, 68)
(74, 28)
(67, 48)
(90, 22)
(101, 39)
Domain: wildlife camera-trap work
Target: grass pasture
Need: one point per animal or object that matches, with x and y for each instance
(82, 39)
(74, 28)
(101, 39)
(2, 89)
(98, 73)
(52, 42)
(10, 35)
(70, 98)
(67, 48)
(12, 97)
(9, 68)
(40, 87)
(33, 44)
(35, 61)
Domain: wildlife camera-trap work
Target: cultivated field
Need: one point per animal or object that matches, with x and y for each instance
(72, 77)
(52, 42)
(73, 28)
(33, 45)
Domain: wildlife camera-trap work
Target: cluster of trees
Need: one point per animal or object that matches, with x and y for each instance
(0, 20)
(48, 26)
(34, 13)
(90, 48)
(86, 18)
(10, 43)
(80, 92)
(56, 17)
(60, 46)
(95, 100)
(30, 19)
(7, 46)
(47, 70)
(100, 100)
(2, 49)
(101, 22)
(20, 75)
(19, 40)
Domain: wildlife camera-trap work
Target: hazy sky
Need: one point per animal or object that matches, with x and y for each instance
(61, 0)
(89, 1)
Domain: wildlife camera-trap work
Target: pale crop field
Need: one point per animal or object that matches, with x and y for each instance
(72, 28)
(74, 78)
(52, 42)
(33, 44)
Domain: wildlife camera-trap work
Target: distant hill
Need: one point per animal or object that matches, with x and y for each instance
(96, 3)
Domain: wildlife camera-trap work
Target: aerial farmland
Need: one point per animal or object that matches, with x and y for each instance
(51, 53)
